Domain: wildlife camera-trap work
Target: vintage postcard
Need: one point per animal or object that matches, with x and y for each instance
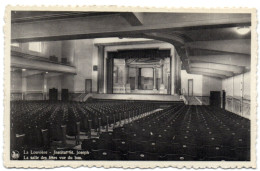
(130, 87)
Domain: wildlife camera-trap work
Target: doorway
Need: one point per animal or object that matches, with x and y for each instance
(88, 85)
(224, 99)
(65, 94)
(190, 87)
(215, 98)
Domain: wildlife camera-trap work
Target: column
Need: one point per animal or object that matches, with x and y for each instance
(161, 74)
(154, 78)
(100, 80)
(24, 84)
(45, 86)
(139, 78)
(127, 83)
(161, 86)
(136, 78)
(127, 74)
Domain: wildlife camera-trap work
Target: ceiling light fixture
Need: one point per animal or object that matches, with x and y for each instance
(46, 72)
(23, 69)
(243, 30)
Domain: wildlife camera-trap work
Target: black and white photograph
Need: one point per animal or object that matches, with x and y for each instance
(115, 85)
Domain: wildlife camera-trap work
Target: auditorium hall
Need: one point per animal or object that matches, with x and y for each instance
(130, 86)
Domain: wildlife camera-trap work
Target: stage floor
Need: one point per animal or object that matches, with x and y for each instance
(148, 97)
(144, 92)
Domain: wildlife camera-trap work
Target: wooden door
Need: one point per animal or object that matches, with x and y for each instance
(88, 86)
(215, 98)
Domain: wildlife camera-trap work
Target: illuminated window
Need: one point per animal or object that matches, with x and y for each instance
(35, 46)
(15, 44)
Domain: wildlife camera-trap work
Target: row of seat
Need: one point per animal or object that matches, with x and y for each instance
(177, 133)
(40, 122)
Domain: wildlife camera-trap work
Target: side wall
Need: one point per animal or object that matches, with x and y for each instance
(210, 84)
(32, 84)
(16, 85)
(79, 53)
(237, 90)
(202, 85)
(48, 49)
(197, 83)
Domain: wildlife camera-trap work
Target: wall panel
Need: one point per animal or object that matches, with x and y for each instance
(238, 94)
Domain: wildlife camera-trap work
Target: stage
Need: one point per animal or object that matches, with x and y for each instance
(148, 97)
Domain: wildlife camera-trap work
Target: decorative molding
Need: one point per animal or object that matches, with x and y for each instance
(16, 96)
(130, 43)
(36, 17)
(20, 62)
(246, 108)
(16, 91)
(35, 57)
(33, 91)
(140, 53)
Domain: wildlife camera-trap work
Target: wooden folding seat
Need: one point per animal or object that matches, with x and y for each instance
(103, 155)
(90, 144)
(108, 136)
(164, 148)
(103, 119)
(242, 154)
(164, 137)
(94, 120)
(214, 140)
(119, 156)
(219, 153)
(244, 132)
(120, 135)
(104, 144)
(137, 156)
(178, 157)
(55, 132)
(129, 128)
(88, 156)
(185, 138)
(85, 124)
(110, 118)
(188, 150)
(135, 136)
(121, 146)
(19, 142)
(34, 138)
(150, 147)
(219, 158)
(135, 146)
(145, 134)
(152, 156)
(174, 148)
(45, 138)
(240, 142)
(119, 129)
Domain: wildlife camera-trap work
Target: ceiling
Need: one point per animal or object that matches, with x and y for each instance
(208, 43)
